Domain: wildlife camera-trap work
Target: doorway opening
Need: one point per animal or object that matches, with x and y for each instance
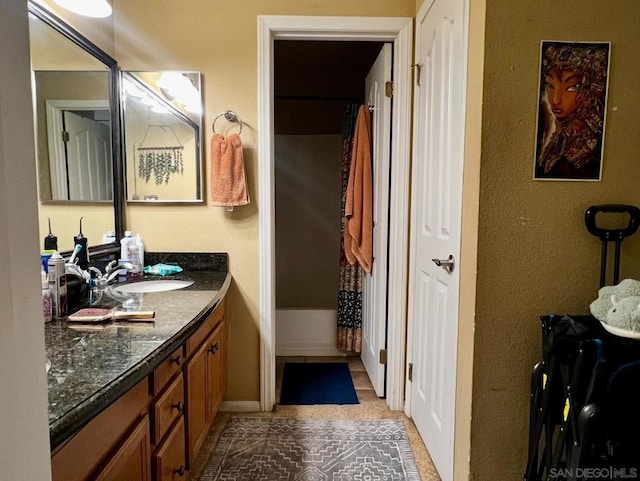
(318, 85)
(397, 31)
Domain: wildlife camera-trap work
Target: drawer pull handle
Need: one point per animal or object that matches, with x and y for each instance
(214, 348)
(178, 360)
(179, 406)
(180, 471)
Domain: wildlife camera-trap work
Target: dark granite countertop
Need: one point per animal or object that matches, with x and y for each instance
(93, 366)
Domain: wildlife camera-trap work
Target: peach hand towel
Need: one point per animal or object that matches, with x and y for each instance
(228, 178)
(358, 232)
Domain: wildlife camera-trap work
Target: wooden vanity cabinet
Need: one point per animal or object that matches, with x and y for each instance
(188, 388)
(114, 442)
(204, 377)
(154, 431)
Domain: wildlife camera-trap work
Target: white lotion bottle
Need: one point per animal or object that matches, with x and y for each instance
(140, 246)
(47, 298)
(124, 245)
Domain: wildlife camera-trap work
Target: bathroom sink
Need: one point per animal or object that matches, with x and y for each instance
(152, 286)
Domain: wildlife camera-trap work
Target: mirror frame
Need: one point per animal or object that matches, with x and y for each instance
(115, 109)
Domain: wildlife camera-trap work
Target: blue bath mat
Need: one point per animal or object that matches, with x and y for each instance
(317, 383)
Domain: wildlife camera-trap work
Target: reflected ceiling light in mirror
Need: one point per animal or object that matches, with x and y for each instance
(87, 8)
(132, 89)
(159, 109)
(148, 101)
(177, 86)
(194, 108)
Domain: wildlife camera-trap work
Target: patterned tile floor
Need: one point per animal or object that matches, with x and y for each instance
(370, 407)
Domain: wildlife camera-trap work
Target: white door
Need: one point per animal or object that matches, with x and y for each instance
(435, 225)
(88, 149)
(374, 316)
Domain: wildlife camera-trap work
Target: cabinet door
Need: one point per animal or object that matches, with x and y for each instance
(216, 369)
(94, 443)
(198, 413)
(132, 460)
(169, 460)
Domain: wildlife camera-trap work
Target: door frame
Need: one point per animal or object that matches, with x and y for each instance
(399, 31)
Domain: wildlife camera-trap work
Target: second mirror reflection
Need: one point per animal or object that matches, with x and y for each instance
(162, 121)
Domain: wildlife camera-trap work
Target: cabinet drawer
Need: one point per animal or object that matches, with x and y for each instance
(168, 408)
(171, 366)
(169, 460)
(201, 334)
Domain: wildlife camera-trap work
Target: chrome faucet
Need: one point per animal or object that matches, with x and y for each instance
(112, 270)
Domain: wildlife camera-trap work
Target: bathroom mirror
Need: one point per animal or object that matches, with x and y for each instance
(162, 132)
(77, 123)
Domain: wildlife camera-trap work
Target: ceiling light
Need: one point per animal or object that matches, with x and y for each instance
(88, 8)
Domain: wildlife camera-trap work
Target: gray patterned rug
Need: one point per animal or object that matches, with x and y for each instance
(276, 449)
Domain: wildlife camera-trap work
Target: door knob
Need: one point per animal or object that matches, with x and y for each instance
(446, 264)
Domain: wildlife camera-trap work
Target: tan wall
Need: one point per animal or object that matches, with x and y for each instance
(219, 39)
(535, 255)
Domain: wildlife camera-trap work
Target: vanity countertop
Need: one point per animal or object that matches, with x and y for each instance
(92, 366)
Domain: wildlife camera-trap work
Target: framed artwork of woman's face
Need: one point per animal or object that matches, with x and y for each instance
(572, 97)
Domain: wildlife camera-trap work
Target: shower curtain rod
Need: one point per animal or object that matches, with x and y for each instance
(319, 98)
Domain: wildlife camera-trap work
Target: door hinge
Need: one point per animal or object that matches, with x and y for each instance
(65, 136)
(410, 374)
(418, 68)
(388, 89)
(383, 356)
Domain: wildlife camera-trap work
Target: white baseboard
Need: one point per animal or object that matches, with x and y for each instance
(307, 332)
(240, 406)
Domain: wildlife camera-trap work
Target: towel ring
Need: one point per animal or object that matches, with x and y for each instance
(231, 116)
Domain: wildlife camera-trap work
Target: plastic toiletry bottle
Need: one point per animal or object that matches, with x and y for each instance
(123, 273)
(58, 285)
(134, 258)
(108, 237)
(47, 307)
(124, 245)
(140, 245)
